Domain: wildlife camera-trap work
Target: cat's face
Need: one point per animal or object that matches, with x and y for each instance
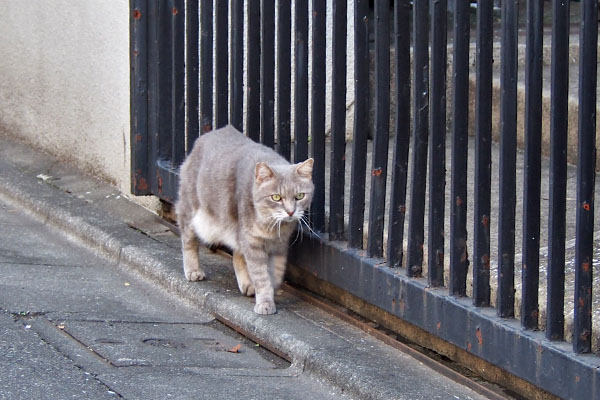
(283, 193)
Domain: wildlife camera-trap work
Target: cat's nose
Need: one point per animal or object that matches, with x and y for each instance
(290, 213)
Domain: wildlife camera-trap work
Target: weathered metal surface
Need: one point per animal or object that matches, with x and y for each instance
(421, 136)
(586, 176)
(139, 94)
(527, 354)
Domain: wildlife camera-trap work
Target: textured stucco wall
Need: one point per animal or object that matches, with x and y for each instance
(64, 81)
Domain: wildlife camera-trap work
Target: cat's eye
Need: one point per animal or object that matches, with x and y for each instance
(276, 197)
(299, 196)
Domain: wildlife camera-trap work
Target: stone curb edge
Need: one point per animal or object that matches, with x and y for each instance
(67, 215)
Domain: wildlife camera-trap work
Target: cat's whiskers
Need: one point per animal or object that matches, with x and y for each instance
(273, 222)
(304, 220)
(297, 234)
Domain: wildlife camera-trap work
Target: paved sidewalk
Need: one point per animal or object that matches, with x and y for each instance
(94, 305)
(73, 325)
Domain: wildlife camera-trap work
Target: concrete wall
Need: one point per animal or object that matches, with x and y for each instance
(64, 81)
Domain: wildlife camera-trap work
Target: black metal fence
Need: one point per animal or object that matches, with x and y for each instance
(166, 120)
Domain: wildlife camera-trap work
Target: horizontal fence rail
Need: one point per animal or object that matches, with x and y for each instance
(422, 207)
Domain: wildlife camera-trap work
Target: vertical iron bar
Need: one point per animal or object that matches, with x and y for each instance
(533, 159)
(221, 63)
(555, 319)
(206, 63)
(586, 176)
(483, 155)
(301, 81)
(236, 65)
(459, 260)
(284, 38)
(395, 244)
(191, 74)
(421, 133)
(437, 143)
(382, 128)
(178, 82)
(253, 85)
(317, 141)
(267, 72)
(163, 144)
(337, 176)
(361, 124)
(139, 53)
(154, 57)
(508, 153)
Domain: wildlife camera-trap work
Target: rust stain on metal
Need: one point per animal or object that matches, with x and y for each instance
(459, 201)
(577, 378)
(585, 266)
(175, 11)
(465, 254)
(586, 206)
(137, 14)
(581, 302)
(403, 208)
(206, 128)
(141, 184)
(468, 346)
(138, 138)
(485, 221)
(136, 53)
(485, 259)
(160, 183)
(439, 326)
(377, 172)
(479, 336)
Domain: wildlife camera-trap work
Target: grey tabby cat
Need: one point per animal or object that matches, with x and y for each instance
(243, 195)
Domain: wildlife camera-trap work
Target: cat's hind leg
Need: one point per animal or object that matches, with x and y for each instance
(241, 274)
(191, 263)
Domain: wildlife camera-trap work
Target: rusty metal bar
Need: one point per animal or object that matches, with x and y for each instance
(437, 143)
(206, 63)
(337, 176)
(586, 176)
(382, 129)
(459, 260)
(361, 124)
(395, 244)
(139, 23)
(420, 137)
(555, 319)
(317, 112)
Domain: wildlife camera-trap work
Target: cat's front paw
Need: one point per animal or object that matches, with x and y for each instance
(195, 275)
(267, 307)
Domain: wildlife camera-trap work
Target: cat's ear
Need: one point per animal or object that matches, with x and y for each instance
(262, 172)
(304, 169)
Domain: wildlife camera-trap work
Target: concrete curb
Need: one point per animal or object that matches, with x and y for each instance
(327, 349)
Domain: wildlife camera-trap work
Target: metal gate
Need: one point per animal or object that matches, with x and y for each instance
(188, 77)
